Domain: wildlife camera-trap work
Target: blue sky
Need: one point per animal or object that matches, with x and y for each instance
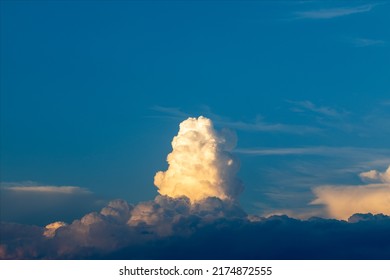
(93, 92)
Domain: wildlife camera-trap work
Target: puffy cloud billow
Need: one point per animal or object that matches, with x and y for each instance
(196, 236)
(200, 164)
(118, 225)
(376, 176)
(197, 216)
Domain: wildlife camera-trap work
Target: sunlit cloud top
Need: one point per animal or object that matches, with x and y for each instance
(200, 164)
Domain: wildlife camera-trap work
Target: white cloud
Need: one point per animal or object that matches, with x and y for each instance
(200, 164)
(261, 126)
(334, 12)
(172, 111)
(322, 110)
(376, 176)
(354, 152)
(258, 125)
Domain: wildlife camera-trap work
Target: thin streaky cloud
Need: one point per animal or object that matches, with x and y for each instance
(256, 126)
(364, 42)
(279, 151)
(334, 12)
(172, 111)
(323, 151)
(297, 213)
(385, 103)
(269, 127)
(49, 189)
(310, 106)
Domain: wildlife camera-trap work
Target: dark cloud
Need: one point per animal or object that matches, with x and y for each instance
(168, 228)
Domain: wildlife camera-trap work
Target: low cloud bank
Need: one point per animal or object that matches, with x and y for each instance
(169, 228)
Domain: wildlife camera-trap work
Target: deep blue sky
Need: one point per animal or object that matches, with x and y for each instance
(92, 92)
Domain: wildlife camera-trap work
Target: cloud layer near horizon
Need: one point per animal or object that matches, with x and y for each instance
(169, 228)
(343, 201)
(116, 226)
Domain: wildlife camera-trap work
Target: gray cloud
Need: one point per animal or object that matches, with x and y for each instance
(116, 226)
(212, 229)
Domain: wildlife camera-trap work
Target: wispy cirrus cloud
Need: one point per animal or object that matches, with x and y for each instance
(321, 150)
(34, 203)
(49, 189)
(330, 118)
(333, 12)
(310, 106)
(385, 103)
(365, 42)
(261, 126)
(258, 125)
(170, 111)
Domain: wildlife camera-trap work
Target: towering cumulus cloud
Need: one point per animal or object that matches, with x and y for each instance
(200, 164)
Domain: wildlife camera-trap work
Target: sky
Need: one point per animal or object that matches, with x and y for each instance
(93, 92)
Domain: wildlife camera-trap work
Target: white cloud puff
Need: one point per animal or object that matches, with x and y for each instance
(376, 176)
